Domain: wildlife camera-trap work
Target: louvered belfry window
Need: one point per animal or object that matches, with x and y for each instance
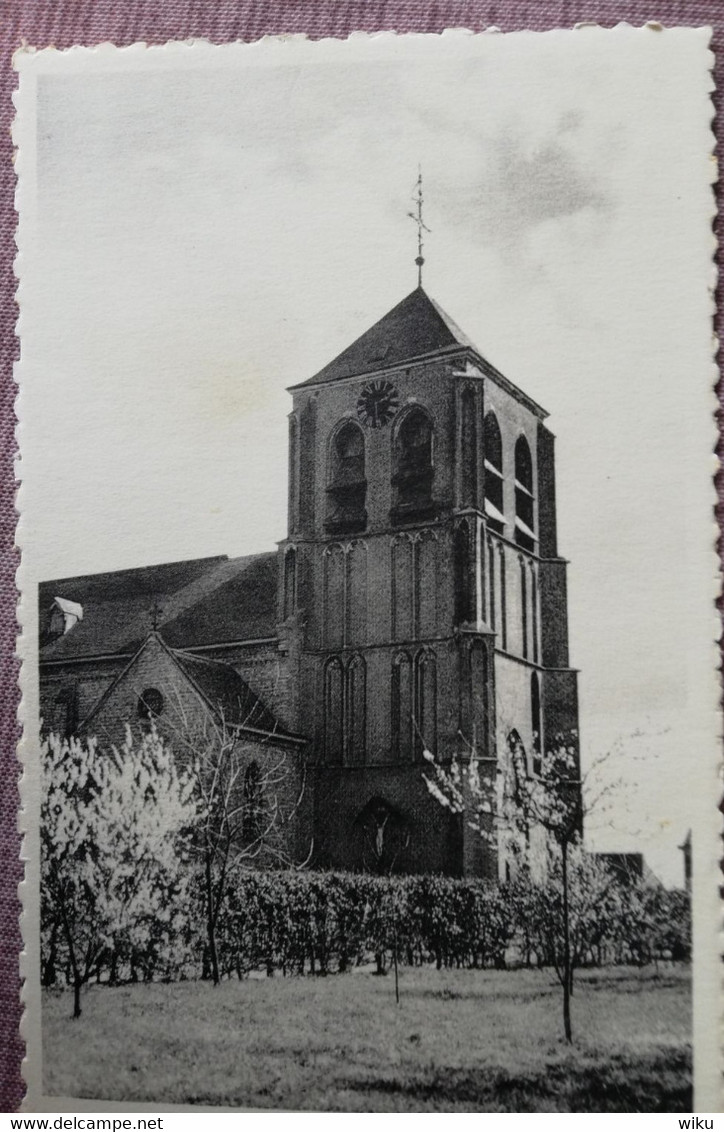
(413, 468)
(347, 483)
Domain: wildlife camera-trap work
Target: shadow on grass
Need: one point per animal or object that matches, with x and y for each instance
(654, 1082)
(664, 980)
(446, 994)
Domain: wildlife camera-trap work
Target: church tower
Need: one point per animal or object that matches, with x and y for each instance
(422, 599)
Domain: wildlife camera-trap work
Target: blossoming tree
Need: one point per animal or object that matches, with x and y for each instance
(115, 829)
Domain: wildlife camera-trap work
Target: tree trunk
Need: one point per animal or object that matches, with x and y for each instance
(77, 985)
(50, 974)
(394, 957)
(77, 977)
(210, 926)
(566, 948)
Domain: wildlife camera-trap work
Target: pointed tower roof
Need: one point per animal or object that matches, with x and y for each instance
(414, 328)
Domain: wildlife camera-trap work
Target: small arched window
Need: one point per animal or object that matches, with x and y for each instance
(347, 485)
(524, 509)
(252, 803)
(535, 722)
(150, 705)
(493, 453)
(413, 470)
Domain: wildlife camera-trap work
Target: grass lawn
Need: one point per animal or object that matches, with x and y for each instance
(460, 1041)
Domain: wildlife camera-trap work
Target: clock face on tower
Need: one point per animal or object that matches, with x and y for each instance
(377, 404)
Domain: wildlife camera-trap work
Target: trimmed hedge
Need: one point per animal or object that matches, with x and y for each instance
(314, 923)
(295, 922)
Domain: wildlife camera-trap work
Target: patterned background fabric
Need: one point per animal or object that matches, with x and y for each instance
(63, 23)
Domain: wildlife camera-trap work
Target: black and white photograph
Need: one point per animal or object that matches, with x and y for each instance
(370, 701)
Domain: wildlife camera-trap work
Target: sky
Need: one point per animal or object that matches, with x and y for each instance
(201, 234)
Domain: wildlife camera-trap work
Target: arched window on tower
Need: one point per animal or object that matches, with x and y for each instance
(346, 483)
(413, 470)
(356, 713)
(493, 453)
(402, 721)
(492, 616)
(333, 710)
(535, 722)
(524, 509)
(534, 610)
(425, 702)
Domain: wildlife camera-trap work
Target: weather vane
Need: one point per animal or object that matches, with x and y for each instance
(421, 226)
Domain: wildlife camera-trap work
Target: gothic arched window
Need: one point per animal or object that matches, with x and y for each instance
(534, 610)
(402, 723)
(413, 471)
(356, 711)
(523, 609)
(535, 721)
(503, 599)
(425, 702)
(333, 710)
(524, 510)
(491, 582)
(493, 453)
(347, 485)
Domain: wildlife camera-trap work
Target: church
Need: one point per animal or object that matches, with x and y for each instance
(417, 603)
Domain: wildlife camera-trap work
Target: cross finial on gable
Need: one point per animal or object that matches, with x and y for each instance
(155, 613)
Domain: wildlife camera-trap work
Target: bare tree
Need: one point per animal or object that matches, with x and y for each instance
(248, 797)
(511, 806)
